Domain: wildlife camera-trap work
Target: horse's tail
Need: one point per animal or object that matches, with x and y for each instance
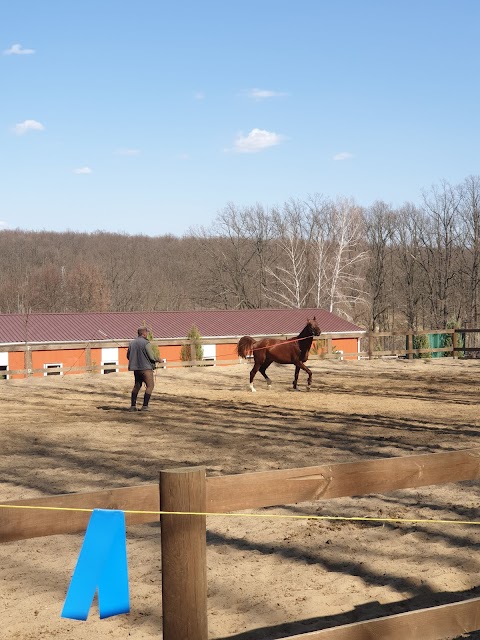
(244, 346)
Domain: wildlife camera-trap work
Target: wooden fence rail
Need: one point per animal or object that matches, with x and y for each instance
(327, 351)
(112, 368)
(247, 491)
(184, 536)
(445, 621)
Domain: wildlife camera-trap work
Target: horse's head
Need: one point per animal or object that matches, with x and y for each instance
(314, 326)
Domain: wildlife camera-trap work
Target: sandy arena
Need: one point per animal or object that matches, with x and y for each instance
(267, 578)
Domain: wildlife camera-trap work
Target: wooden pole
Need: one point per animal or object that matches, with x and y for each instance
(410, 345)
(455, 343)
(88, 359)
(184, 554)
(27, 362)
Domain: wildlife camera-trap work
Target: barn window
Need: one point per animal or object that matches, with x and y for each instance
(109, 367)
(109, 360)
(3, 365)
(210, 352)
(50, 369)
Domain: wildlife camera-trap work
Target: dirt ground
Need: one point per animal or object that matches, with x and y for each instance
(267, 578)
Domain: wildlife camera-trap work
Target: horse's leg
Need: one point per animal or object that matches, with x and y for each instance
(295, 379)
(263, 370)
(309, 373)
(253, 372)
(299, 365)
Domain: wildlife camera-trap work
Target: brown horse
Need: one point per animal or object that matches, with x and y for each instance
(294, 351)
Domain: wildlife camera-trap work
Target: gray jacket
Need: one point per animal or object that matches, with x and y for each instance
(140, 355)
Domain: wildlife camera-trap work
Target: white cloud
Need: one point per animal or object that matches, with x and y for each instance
(344, 155)
(199, 95)
(28, 125)
(257, 140)
(263, 94)
(128, 152)
(82, 171)
(3, 225)
(17, 50)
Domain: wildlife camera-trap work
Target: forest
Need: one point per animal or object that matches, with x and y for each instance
(413, 267)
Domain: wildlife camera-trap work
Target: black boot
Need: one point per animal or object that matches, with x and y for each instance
(133, 402)
(146, 400)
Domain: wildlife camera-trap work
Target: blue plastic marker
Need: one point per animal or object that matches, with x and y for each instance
(101, 565)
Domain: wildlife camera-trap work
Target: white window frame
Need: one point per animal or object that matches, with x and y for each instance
(110, 360)
(112, 366)
(52, 365)
(211, 355)
(213, 352)
(4, 363)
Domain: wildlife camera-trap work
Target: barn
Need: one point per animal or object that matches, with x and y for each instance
(42, 344)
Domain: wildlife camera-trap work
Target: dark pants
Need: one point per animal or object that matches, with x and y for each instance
(142, 377)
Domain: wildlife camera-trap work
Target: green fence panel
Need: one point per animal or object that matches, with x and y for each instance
(437, 341)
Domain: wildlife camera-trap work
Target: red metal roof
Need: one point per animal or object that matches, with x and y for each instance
(89, 327)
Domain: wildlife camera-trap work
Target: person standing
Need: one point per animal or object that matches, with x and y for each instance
(141, 360)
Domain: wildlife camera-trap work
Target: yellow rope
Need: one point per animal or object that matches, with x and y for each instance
(256, 515)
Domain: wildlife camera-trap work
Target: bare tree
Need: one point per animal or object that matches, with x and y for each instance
(345, 283)
(290, 283)
(439, 237)
(423, 266)
(234, 253)
(86, 288)
(45, 288)
(408, 275)
(470, 235)
(321, 212)
(379, 227)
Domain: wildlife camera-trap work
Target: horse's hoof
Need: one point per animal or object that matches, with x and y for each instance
(252, 389)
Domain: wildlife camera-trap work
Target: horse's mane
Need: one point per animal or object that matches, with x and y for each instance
(306, 331)
(305, 338)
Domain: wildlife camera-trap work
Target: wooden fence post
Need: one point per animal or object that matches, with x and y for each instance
(455, 343)
(370, 345)
(88, 359)
(27, 361)
(184, 554)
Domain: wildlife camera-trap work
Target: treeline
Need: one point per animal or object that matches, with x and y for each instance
(413, 267)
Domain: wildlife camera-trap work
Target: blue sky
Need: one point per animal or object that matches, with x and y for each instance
(149, 116)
